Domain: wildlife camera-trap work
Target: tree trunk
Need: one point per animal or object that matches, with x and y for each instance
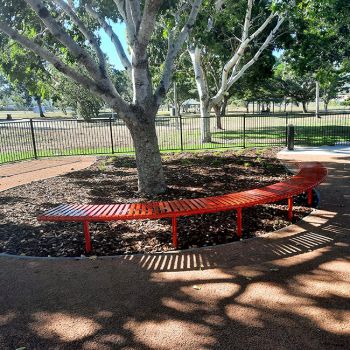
(151, 179)
(220, 111)
(38, 102)
(205, 122)
(304, 106)
(326, 102)
(203, 93)
(217, 110)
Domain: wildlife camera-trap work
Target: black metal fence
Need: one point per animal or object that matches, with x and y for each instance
(26, 139)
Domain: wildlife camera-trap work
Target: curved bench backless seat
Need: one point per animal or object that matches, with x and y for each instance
(309, 176)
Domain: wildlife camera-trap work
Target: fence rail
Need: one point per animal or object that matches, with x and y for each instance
(33, 138)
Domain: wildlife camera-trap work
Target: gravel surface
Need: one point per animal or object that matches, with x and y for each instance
(114, 180)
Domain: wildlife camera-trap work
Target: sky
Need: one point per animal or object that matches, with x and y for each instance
(108, 47)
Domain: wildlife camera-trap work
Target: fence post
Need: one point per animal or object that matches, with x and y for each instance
(181, 136)
(33, 138)
(290, 137)
(243, 131)
(111, 134)
(286, 129)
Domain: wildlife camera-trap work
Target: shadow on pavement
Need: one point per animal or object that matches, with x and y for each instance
(287, 291)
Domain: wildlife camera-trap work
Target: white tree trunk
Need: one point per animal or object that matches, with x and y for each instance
(205, 122)
(203, 92)
(151, 178)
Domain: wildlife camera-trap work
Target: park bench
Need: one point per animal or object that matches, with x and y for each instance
(308, 177)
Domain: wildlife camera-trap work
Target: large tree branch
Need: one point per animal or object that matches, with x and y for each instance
(267, 41)
(85, 31)
(200, 77)
(251, 37)
(58, 31)
(263, 26)
(240, 51)
(148, 21)
(135, 13)
(238, 74)
(247, 20)
(124, 11)
(234, 62)
(114, 38)
(121, 8)
(174, 46)
(79, 78)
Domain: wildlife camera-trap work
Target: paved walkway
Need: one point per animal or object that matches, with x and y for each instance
(21, 173)
(287, 290)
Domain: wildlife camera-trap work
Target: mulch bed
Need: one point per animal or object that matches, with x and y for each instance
(114, 180)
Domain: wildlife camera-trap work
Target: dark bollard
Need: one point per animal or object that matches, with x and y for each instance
(290, 137)
(8, 117)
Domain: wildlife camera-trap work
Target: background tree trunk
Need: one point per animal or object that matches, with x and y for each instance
(304, 106)
(326, 102)
(203, 93)
(38, 102)
(148, 160)
(220, 111)
(217, 111)
(205, 121)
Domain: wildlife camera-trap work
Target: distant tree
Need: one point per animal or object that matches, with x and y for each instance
(299, 88)
(5, 91)
(26, 73)
(256, 29)
(320, 35)
(332, 81)
(68, 94)
(254, 85)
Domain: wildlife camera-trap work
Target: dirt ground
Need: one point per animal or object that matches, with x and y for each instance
(114, 180)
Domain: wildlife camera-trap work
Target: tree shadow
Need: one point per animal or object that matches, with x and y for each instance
(117, 304)
(289, 290)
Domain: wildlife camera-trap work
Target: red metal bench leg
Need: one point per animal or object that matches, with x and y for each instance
(309, 197)
(239, 222)
(290, 208)
(174, 232)
(87, 236)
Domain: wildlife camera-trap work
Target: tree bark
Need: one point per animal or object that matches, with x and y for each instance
(223, 106)
(38, 102)
(326, 102)
(205, 121)
(151, 178)
(220, 111)
(217, 111)
(203, 92)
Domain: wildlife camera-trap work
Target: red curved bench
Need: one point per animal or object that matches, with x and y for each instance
(308, 177)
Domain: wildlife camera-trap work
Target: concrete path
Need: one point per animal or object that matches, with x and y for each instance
(287, 290)
(21, 173)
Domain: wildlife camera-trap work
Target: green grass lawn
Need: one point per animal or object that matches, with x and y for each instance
(68, 138)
